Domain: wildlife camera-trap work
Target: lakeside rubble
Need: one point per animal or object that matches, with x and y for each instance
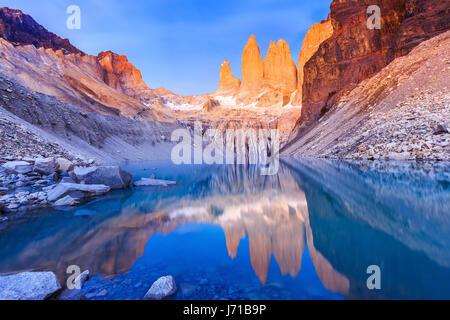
(28, 183)
(31, 183)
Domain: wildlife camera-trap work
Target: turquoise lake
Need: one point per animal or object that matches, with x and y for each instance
(226, 232)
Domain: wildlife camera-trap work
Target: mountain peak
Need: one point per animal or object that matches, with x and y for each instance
(252, 65)
(228, 83)
(280, 70)
(21, 29)
(119, 73)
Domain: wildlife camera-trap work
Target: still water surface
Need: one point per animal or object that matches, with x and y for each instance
(226, 232)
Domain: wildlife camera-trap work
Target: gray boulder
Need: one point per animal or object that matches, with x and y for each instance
(76, 191)
(64, 165)
(29, 286)
(162, 288)
(148, 182)
(45, 166)
(112, 176)
(18, 167)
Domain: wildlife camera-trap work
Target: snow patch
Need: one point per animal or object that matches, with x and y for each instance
(290, 106)
(185, 106)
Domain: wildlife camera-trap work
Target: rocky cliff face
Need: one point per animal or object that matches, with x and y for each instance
(400, 113)
(118, 73)
(228, 84)
(317, 34)
(74, 79)
(354, 53)
(423, 19)
(21, 29)
(88, 135)
(107, 83)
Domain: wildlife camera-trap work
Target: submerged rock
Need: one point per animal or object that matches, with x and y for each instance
(18, 167)
(29, 286)
(66, 201)
(113, 176)
(162, 288)
(76, 191)
(150, 182)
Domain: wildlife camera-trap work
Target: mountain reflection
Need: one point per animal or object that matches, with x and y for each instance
(348, 218)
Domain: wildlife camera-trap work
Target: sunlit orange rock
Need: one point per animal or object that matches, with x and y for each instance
(267, 83)
(279, 68)
(228, 83)
(120, 74)
(317, 34)
(252, 66)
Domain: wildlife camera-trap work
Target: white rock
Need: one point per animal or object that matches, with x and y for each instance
(64, 165)
(28, 286)
(18, 167)
(162, 288)
(149, 182)
(66, 201)
(64, 189)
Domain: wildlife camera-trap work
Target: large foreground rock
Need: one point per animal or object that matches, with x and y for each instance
(113, 176)
(162, 288)
(18, 167)
(28, 286)
(76, 191)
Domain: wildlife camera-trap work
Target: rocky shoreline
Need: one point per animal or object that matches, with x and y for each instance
(32, 183)
(45, 286)
(27, 184)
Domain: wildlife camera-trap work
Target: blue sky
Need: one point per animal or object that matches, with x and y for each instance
(179, 45)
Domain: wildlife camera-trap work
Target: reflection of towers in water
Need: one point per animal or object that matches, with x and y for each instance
(271, 210)
(244, 179)
(274, 225)
(276, 220)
